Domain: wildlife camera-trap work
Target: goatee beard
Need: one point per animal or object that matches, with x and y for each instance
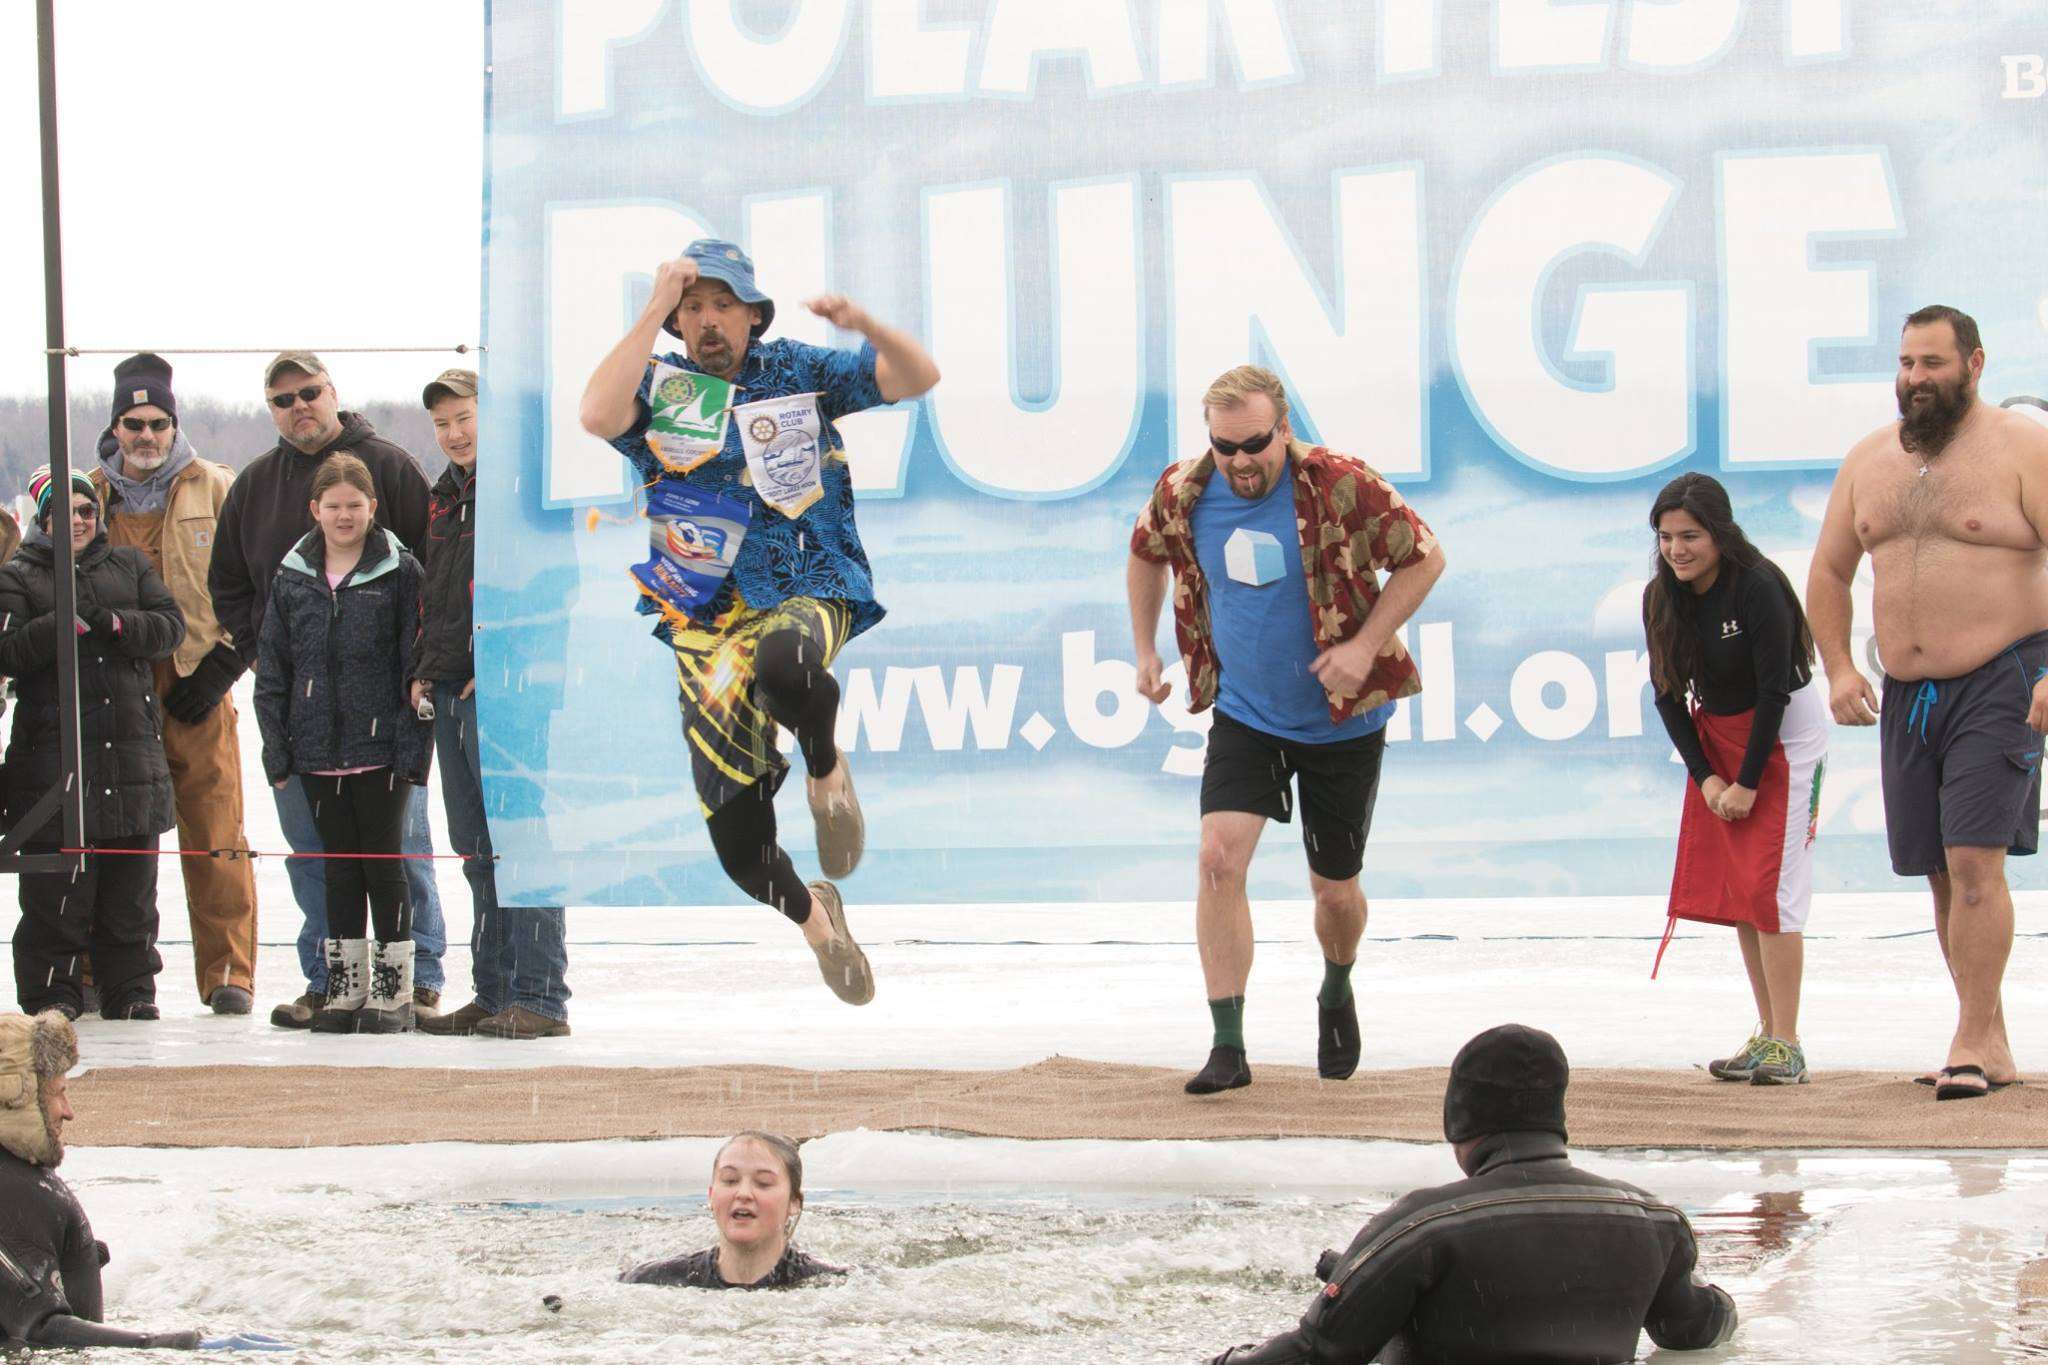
(1927, 428)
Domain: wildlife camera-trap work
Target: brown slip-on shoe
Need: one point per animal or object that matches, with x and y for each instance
(842, 831)
(841, 962)
(520, 1023)
(455, 1024)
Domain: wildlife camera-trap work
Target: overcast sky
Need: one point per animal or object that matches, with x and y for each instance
(239, 173)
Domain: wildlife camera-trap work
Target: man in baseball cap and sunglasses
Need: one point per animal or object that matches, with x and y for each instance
(1285, 628)
(264, 515)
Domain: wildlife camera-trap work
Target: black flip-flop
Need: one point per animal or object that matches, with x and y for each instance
(1948, 1090)
(1931, 1081)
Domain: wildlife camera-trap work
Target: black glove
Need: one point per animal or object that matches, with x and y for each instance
(192, 699)
(101, 622)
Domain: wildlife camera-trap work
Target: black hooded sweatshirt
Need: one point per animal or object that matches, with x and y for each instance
(265, 514)
(443, 652)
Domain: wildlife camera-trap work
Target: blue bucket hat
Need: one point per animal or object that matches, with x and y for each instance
(726, 263)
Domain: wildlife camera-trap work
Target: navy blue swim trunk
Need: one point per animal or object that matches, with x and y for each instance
(1962, 768)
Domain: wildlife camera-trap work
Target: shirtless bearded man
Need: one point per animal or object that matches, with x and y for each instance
(1951, 504)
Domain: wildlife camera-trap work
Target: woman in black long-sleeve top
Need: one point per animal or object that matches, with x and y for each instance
(126, 618)
(1725, 629)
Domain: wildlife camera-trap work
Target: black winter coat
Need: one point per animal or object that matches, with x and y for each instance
(264, 515)
(121, 740)
(443, 651)
(1530, 1259)
(331, 674)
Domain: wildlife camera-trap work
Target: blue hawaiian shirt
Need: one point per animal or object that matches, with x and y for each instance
(818, 554)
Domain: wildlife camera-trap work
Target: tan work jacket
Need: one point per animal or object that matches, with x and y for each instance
(185, 552)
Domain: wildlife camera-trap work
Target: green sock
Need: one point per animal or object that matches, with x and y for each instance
(1228, 1015)
(1336, 984)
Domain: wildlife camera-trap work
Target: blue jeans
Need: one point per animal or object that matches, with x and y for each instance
(309, 888)
(519, 954)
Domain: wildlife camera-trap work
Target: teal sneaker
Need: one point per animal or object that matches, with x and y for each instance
(1742, 1066)
(1779, 1063)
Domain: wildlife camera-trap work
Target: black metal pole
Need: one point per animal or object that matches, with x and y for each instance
(66, 586)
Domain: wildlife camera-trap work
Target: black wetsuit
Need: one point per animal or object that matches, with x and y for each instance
(1530, 1259)
(50, 1267)
(699, 1270)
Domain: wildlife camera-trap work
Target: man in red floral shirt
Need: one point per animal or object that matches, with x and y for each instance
(1287, 631)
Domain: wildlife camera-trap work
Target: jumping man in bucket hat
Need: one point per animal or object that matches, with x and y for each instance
(758, 577)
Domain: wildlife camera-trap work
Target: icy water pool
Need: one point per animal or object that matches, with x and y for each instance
(974, 1250)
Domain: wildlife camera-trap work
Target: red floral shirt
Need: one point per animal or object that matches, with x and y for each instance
(1353, 524)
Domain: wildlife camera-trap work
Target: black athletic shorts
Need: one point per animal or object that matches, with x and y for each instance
(1249, 770)
(1962, 768)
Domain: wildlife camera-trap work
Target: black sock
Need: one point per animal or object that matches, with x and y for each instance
(1336, 984)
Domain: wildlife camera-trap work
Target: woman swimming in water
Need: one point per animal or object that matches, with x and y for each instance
(757, 1196)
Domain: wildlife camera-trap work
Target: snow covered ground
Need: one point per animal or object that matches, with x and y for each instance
(999, 986)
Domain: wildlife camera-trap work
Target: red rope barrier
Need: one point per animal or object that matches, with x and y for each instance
(232, 853)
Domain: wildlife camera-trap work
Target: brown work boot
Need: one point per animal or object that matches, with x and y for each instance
(299, 1013)
(461, 1023)
(842, 832)
(426, 1002)
(840, 960)
(520, 1023)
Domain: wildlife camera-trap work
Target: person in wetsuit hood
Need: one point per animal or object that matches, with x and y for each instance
(49, 1262)
(757, 1196)
(1527, 1259)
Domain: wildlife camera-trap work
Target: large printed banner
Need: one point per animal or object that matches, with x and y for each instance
(1530, 258)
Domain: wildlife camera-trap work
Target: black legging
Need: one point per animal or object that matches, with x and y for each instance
(363, 813)
(743, 833)
(793, 686)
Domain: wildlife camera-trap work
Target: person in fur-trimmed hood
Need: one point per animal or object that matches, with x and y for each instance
(49, 1261)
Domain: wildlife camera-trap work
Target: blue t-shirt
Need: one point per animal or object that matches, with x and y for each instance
(818, 554)
(1259, 614)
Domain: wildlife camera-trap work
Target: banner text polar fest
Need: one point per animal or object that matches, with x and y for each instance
(1525, 258)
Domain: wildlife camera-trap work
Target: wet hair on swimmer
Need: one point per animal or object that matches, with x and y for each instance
(1674, 648)
(341, 468)
(785, 1152)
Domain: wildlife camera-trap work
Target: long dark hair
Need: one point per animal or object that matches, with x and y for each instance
(1674, 648)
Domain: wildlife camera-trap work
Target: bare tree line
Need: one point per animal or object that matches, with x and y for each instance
(230, 433)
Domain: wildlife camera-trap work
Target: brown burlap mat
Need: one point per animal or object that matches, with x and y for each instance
(1062, 1097)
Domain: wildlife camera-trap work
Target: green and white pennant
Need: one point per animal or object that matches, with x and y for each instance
(690, 415)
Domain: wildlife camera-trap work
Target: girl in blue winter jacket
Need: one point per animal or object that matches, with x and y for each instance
(331, 703)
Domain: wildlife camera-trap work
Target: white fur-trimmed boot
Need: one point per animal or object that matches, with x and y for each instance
(389, 1009)
(348, 985)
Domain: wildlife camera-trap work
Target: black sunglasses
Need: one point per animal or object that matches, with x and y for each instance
(85, 512)
(1251, 445)
(305, 395)
(145, 423)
